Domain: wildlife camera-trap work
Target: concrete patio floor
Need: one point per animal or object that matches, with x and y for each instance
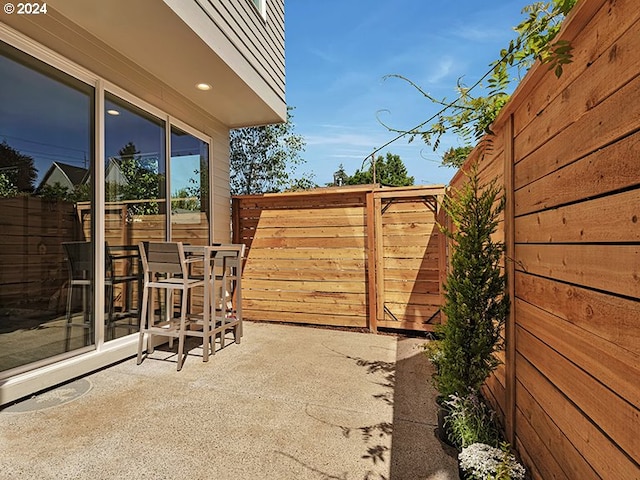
(288, 402)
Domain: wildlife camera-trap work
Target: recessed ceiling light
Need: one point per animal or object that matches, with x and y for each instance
(203, 86)
(113, 112)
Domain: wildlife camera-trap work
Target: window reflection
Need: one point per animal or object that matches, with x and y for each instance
(189, 188)
(135, 208)
(46, 156)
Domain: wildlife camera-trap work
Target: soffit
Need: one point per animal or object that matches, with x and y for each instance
(153, 36)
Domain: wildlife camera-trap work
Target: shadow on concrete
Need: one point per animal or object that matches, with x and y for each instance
(416, 452)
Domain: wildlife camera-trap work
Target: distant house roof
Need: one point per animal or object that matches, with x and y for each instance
(64, 174)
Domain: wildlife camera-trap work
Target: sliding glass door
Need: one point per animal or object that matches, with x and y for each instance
(46, 205)
(50, 280)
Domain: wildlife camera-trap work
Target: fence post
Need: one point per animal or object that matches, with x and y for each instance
(372, 291)
(235, 221)
(441, 221)
(509, 256)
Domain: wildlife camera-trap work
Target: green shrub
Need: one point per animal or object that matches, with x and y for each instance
(476, 305)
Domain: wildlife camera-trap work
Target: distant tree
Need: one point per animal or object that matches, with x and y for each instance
(302, 183)
(390, 171)
(182, 199)
(53, 192)
(18, 170)
(340, 177)
(7, 188)
(455, 157)
(143, 181)
(264, 159)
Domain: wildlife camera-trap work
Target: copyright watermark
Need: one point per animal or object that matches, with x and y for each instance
(27, 8)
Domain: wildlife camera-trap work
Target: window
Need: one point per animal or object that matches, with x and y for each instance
(189, 167)
(261, 5)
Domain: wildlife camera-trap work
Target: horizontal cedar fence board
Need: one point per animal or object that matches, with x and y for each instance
(310, 253)
(417, 241)
(612, 366)
(319, 274)
(304, 307)
(586, 437)
(310, 242)
(411, 265)
(608, 317)
(307, 204)
(591, 35)
(251, 217)
(557, 456)
(408, 286)
(412, 228)
(414, 311)
(330, 319)
(592, 88)
(325, 298)
(410, 269)
(331, 265)
(403, 324)
(302, 220)
(614, 167)
(614, 218)
(316, 232)
(611, 413)
(597, 128)
(303, 286)
(613, 268)
(411, 298)
(424, 319)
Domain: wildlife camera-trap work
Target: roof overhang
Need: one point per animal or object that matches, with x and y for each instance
(158, 38)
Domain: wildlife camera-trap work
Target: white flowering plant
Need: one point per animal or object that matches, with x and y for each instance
(480, 461)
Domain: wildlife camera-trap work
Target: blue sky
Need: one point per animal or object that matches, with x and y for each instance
(339, 51)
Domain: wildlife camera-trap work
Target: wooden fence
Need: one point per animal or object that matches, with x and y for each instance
(568, 153)
(353, 256)
(32, 265)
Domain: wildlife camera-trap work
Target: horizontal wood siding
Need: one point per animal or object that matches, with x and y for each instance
(260, 40)
(573, 146)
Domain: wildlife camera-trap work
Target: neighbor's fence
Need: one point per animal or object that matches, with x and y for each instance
(32, 265)
(568, 153)
(352, 256)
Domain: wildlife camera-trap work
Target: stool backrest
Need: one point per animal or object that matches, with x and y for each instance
(79, 258)
(163, 257)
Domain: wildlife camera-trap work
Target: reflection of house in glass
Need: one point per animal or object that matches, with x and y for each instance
(65, 176)
(105, 142)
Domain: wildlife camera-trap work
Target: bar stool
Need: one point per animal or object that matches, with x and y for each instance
(165, 267)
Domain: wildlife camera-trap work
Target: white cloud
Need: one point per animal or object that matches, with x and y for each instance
(441, 70)
(478, 33)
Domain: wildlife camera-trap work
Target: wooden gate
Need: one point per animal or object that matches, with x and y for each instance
(409, 255)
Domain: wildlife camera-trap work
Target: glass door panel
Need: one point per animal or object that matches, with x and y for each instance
(46, 205)
(189, 181)
(135, 206)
